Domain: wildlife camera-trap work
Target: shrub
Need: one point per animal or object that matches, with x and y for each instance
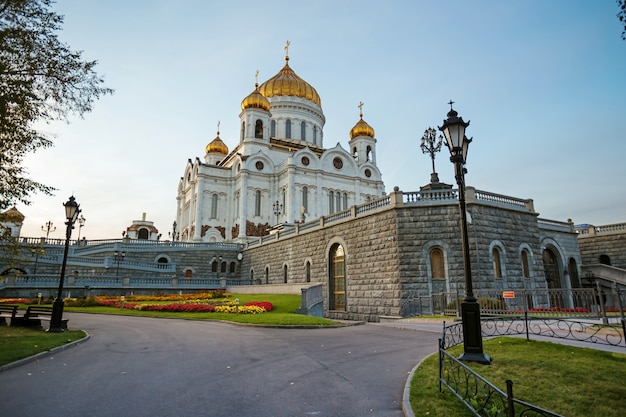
(89, 301)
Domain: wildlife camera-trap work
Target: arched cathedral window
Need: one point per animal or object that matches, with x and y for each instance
(214, 200)
(305, 199)
(258, 129)
(288, 129)
(257, 203)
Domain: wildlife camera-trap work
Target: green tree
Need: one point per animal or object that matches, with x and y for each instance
(622, 16)
(41, 79)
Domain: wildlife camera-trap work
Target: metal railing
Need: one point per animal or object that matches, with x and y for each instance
(103, 281)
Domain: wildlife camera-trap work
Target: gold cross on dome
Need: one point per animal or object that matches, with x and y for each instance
(360, 106)
(287, 49)
(256, 77)
(218, 128)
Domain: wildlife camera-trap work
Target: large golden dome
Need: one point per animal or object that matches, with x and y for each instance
(255, 100)
(361, 128)
(287, 83)
(217, 146)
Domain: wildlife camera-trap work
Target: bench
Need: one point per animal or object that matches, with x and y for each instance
(34, 315)
(7, 311)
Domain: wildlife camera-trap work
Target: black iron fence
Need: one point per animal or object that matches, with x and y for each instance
(596, 303)
(590, 331)
(479, 395)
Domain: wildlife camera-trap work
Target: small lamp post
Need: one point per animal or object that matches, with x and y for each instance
(81, 223)
(37, 252)
(173, 232)
(48, 227)
(119, 256)
(454, 130)
(72, 209)
(278, 210)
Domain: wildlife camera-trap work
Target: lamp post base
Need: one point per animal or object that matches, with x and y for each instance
(56, 319)
(472, 337)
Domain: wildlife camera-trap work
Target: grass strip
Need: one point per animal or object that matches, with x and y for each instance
(571, 381)
(21, 342)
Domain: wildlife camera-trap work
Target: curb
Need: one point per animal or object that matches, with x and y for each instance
(44, 354)
(406, 395)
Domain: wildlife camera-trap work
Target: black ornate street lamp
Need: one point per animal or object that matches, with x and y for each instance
(72, 209)
(454, 130)
(431, 146)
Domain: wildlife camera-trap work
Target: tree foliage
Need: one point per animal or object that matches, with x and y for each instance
(41, 79)
(622, 16)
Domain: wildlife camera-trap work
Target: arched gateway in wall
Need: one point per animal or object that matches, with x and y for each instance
(551, 268)
(337, 278)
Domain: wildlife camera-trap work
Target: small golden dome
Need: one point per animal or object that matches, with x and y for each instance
(361, 128)
(12, 215)
(217, 146)
(255, 100)
(287, 83)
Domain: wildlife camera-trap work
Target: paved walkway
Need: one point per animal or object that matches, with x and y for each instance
(134, 366)
(159, 367)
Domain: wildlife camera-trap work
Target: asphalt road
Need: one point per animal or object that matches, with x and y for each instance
(134, 366)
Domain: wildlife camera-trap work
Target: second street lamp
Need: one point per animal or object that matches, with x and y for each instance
(72, 209)
(119, 256)
(454, 130)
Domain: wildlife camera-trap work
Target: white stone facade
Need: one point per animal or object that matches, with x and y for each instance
(280, 172)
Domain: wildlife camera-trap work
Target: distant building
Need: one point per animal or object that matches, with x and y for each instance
(142, 229)
(12, 220)
(605, 245)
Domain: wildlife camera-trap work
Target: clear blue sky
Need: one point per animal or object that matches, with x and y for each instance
(541, 81)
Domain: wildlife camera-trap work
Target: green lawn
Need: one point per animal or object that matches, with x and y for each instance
(21, 342)
(283, 313)
(574, 382)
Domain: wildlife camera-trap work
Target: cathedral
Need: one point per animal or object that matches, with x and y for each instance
(279, 173)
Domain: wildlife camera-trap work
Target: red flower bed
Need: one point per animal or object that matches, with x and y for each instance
(266, 305)
(16, 301)
(559, 310)
(177, 307)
